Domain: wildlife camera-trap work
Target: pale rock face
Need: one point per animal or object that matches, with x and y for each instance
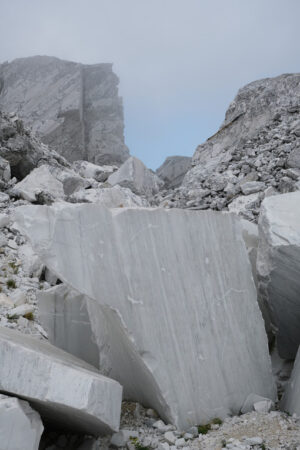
(62, 388)
(291, 399)
(90, 170)
(134, 175)
(63, 314)
(39, 180)
(173, 170)
(115, 197)
(178, 292)
(20, 426)
(278, 264)
(74, 108)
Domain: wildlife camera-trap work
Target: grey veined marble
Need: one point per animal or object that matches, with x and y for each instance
(278, 266)
(291, 399)
(175, 312)
(74, 108)
(63, 389)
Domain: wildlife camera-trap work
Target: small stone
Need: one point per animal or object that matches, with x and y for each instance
(20, 311)
(122, 437)
(170, 437)
(180, 442)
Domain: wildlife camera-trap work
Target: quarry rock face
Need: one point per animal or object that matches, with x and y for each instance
(133, 174)
(74, 108)
(20, 426)
(174, 306)
(62, 388)
(278, 266)
(256, 149)
(291, 399)
(173, 170)
(63, 314)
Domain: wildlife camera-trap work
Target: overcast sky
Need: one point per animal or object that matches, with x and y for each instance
(180, 62)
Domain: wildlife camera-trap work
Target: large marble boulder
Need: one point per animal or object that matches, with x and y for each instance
(133, 174)
(75, 108)
(278, 266)
(40, 180)
(291, 399)
(175, 312)
(173, 170)
(65, 390)
(20, 426)
(63, 314)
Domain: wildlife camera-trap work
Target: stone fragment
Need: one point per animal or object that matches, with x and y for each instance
(5, 173)
(173, 170)
(4, 220)
(243, 204)
(63, 314)
(122, 437)
(134, 175)
(278, 265)
(6, 301)
(291, 398)
(39, 180)
(197, 317)
(294, 158)
(21, 310)
(262, 403)
(252, 186)
(20, 426)
(89, 170)
(63, 389)
(114, 197)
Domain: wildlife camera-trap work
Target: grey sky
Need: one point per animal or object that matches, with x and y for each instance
(180, 62)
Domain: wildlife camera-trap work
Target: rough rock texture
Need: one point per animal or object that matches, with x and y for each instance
(20, 426)
(75, 108)
(278, 266)
(173, 170)
(63, 389)
(291, 398)
(111, 197)
(90, 170)
(64, 316)
(179, 324)
(22, 150)
(259, 141)
(134, 175)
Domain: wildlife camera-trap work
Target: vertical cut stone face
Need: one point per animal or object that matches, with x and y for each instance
(291, 399)
(175, 311)
(65, 390)
(278, 266)
(74, 108)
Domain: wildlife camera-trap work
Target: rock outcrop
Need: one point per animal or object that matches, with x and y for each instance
(133, 174)
(63, 389)
(254, 154)
(74, 108)
(278, 266)
(174, 309)
(173, 170)
(20, 426)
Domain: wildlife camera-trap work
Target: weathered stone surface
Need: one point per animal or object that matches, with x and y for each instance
(20, 426)
(63, 389)
(39, 180)
(134, 175)
(291, 399)
(278, 265)
(75, 108)
(22, 150)
(90, 170)
(115, 197)
(173, 170)
(64, 316)
(178, 293)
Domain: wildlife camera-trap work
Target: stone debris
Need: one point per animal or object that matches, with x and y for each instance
(89, 170)
(133, 174)
(217, 318)
(62, 388)
(20, 426)
(111, 197)
(278, 265)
